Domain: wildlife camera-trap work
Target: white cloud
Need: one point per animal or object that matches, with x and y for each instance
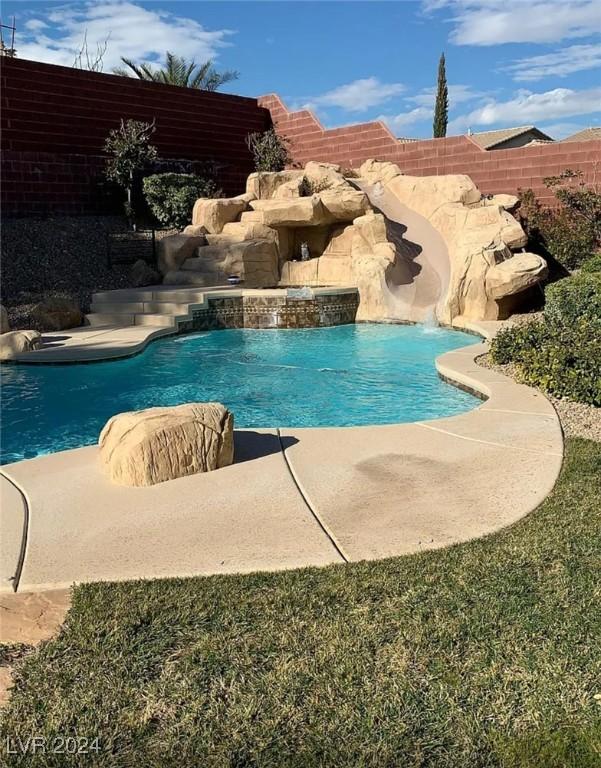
(398, 123)
(574, 58)
(529, 108)
(133, 31)
(357, 96)
(458, 94)
(493, 22)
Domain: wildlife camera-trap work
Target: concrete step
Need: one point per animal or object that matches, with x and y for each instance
(149, 318)
(95, 319)
(153, 307)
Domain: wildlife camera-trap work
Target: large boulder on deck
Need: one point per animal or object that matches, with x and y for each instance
(14, 343)
(147, 447)
(57, 314)
(515, 274)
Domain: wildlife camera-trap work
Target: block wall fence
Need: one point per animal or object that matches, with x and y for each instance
(55, 121)
(502, 170)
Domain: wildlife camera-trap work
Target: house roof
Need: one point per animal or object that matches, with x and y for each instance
(489, 139)
(587, 134)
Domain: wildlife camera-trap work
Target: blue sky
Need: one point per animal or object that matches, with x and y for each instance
(509, 62)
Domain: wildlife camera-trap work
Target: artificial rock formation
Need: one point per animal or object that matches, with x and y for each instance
(57, 314)
(157, 444)
(459, 265)
(14, 343)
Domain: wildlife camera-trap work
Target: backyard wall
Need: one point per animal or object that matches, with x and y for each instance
(502, 170)
(55, 121)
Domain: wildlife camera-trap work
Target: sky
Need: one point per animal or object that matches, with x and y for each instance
(509, 62)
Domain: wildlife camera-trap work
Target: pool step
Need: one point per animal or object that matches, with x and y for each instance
(123, 319)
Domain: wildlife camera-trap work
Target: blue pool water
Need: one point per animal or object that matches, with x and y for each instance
(341, 376)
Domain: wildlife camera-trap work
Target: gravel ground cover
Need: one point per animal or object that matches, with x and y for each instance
(63, 256)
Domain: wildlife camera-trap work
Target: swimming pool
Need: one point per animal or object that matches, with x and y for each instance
(340, 376)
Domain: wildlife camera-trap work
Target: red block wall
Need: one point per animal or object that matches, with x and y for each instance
(493, 171)
(55, 121)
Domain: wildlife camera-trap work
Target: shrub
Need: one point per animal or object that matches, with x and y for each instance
(570, 233)
(171, 196)
(269, 150)
(560, 353)
(593, 264)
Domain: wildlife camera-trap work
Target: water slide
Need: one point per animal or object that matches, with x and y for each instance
(418, 281)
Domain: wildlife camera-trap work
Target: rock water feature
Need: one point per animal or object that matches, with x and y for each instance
(416, 248)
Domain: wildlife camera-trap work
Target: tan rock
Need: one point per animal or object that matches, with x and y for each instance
(213, 214)
(289, 190)
(254, 261)
(195, 229)
(173, 250)
(373, 171)
(344, 204)
(57, 314)
(4, 324)
(299, 212)
(142, 274)
(264, 185)
(508, 202)
(516, 274)
(157, 444)
(13, 343)
(325, 175)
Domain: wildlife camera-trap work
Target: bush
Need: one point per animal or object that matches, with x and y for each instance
(570, 233)
(561, 353)
(593, 264)
(171, 196)
(269, 150)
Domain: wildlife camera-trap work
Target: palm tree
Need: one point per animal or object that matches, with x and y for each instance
(178, 71)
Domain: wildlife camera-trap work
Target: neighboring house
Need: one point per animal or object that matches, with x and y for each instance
(508, 138)
(586, 134)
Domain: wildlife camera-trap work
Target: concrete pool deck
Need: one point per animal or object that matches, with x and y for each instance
(293, 497)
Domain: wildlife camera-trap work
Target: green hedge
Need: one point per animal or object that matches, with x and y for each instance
(171, 196)
(561, 353)
(593, 264)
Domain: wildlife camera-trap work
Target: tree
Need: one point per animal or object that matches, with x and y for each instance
(179, 71)
(130, 150)
(441, 111)
(269, 150)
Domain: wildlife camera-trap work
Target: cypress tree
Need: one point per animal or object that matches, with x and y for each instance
(441, 111)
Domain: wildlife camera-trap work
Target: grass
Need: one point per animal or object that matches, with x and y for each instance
(483, 654)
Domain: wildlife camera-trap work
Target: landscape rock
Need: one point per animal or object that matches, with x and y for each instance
(264, 185)
(297, 212)
(141, 448)
(255, 262)
(143, 274)
(4, 324)
(13, 343)
(173, 250)
(344, 204)
(214, 213)
(515, 274)
(57, 314)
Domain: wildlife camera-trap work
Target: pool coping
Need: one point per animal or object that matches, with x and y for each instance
(317, 496)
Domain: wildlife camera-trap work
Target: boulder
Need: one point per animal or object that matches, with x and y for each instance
(13, 343)
(196, 230)
(298, 212)
(264, 185)
(214, 213)
(57, 314)
(4, 324)
(344, 203)
(173, 250)
(289, 189)
(157, 444)
(142, 274)
(254, 261)
(324, 175)
(508, 202)
(515, 274)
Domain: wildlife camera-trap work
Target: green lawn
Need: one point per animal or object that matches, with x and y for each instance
(484, 654)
